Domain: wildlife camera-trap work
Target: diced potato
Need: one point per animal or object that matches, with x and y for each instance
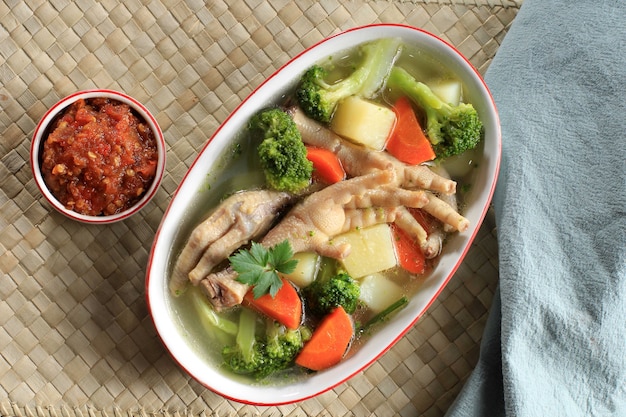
(363, 121)
(372, 250)
(378, 292)
(449, 91)
(306, 270)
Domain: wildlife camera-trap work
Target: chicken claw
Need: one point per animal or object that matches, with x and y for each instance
(358, 202)
(430, 242)
(238, 219)
(311, 225)
(446, 213)
(357, 160)
(223, 290)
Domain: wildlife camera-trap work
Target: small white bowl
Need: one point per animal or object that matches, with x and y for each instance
(42, 131)
(185, 208)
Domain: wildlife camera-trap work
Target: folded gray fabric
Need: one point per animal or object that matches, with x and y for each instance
(555, 341)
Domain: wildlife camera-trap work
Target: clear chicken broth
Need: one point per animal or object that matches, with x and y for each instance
(238, 169)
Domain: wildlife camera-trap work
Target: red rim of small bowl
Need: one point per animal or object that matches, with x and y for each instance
(38, 139)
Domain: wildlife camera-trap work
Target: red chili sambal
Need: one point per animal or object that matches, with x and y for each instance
(100, 157)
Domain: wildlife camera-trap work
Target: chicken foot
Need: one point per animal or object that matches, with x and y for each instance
(358, 202)
(446, 213)
(311, 225)
(238, 219)
(358, 160)
(430, 242)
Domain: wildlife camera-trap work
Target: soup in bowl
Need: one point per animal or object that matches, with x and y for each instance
(283, 266)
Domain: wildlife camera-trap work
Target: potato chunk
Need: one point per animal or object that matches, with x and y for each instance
(306, 269)
(378, 292)
(372, 250)
(449, 91)
(363, 121)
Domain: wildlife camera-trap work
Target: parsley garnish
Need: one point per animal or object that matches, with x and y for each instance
(259, 266)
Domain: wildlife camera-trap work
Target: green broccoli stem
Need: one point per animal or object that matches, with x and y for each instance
(246, 336)
(452, 129)
(328, 268)
(219, 328)
(318, 98)
(366, 80)
(380, 56)
(384, 315)
(416, 90)
(273, 330)
(422, 95)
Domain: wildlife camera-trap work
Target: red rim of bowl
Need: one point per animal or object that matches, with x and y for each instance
(38, 139)
(418, 315)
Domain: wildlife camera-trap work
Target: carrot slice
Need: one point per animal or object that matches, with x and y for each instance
(326, 165)
(285, 307)
(407, 141)
(329, 341)
(408, 251)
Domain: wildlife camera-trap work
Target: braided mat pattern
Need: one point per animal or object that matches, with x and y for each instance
(75, 335)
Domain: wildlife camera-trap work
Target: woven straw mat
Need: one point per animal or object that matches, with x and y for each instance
(76, 338)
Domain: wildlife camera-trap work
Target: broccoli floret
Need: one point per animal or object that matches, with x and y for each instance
(282, 153)
(281, 347)
(328, 292)
(238, 363)
(318, 98)
(246, 355)
(260, 354)
(451, 129)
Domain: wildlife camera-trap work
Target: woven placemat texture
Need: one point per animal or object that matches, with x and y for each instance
(75, 335)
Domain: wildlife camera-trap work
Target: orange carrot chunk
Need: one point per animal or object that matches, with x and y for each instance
(408, 251)
(285, 307)
(329, 341)
(407, 141)
(326, 165)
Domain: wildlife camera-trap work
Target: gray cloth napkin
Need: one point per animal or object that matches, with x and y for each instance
(555, 341)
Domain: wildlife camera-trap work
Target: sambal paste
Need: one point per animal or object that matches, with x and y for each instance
(100, 157)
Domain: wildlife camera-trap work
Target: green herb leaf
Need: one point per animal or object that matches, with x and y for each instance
(281, 255)
(259, 266)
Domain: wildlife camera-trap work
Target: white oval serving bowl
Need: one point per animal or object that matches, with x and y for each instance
(42, 132)
(177, 222)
